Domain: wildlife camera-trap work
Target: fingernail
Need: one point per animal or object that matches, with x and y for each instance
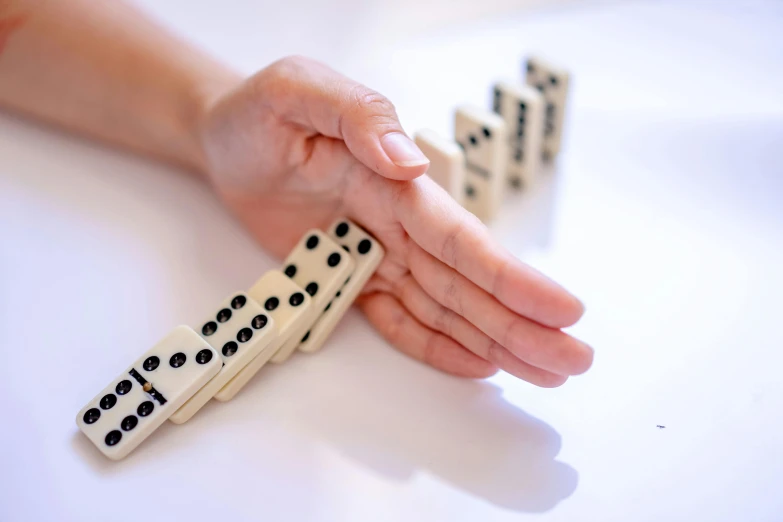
(402, 151)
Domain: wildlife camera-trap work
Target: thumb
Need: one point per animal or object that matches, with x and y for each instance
(314, 95)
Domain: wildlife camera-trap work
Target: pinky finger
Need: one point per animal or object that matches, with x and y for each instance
(412, 338)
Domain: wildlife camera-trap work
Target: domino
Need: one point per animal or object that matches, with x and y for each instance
(239, 331)
(292, 311)
(321, 267)
(137, 402)
(482, 135)
(522, 109)
(552, 81)
(368, 254)
(447, 162)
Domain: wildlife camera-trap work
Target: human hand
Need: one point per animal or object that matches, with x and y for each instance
(297, 145)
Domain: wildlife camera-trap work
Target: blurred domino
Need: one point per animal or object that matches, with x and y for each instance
(447, 162)
(553, 82)
(522, 108)
(482, 135)
(368, 254)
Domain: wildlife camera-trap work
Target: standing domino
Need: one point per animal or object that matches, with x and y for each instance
(141, 399)
(239, 331)
(321, 267)
(552, 82)
(292, 311)
(522, 108)
(447, 162)
(482, 135)
(368, 254)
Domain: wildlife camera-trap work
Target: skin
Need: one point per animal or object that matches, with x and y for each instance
(297, 145)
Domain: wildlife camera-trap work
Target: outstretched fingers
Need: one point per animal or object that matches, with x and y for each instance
(439, 318)
(453, 236)
(401, 329)
(540, 346)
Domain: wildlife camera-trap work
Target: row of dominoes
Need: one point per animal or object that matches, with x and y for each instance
(293, 308)
(504, 146)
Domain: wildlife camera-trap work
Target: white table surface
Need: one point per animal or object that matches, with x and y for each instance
(665, 216)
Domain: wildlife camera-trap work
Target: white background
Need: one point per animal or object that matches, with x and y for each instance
(664, 216)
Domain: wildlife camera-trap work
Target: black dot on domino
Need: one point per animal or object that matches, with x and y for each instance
(470, 191)
(204, 356)
(259, 321)
(487, 133)
(553, 80)
(108, 401)
(516, 182)
(208, 329)
(461, 145)
(113, 437)
(151, 363)
(334, 259)
(328, 306)
(530, 67)
(364, 246)
(338, 294)
(238, 302)
(230, 348)
(540, 87)
(296, 299)
(129, 422)
(346, 249)
(271, 303)
(92, 415)
(223, 315)
(312, 242)
(244, 335)
(312, 288)
(123, 387)
(304, 339)
(145, 408)
(177, 360)
(290, 270)
(522, 107)
(473, 140)
(341, 229)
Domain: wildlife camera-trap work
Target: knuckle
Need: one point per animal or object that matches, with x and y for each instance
(369, 102)
(451, 295)
(444, 321)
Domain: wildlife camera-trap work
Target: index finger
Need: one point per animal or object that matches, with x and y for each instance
(454, 236)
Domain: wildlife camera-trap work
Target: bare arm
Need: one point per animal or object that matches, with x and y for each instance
(105, 70)
(296, 145)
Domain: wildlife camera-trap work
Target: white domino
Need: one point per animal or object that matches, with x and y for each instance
(137, 402)
(368, 254)
(522, 108)
(553, 83)
(447, 162)
(292, 311)
(321, 267)
(238, 331)
(482, 135)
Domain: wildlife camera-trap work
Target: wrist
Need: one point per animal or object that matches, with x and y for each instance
(205, 93)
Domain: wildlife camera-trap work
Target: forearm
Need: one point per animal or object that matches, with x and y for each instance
(105, 70)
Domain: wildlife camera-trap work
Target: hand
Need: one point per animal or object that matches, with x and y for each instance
(298, 145)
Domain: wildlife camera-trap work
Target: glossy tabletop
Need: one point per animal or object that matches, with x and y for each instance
(664, 214)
